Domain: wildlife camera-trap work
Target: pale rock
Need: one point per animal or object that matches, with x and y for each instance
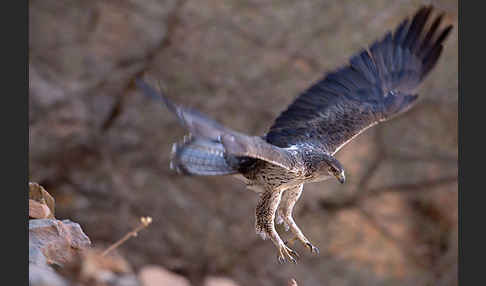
(219, 281)
(152, 275)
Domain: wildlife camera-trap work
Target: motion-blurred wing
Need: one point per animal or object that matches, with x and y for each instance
(197, 123)
(235, 143)
(375, 86)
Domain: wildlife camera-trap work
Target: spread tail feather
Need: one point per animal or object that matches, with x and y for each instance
(200, 156)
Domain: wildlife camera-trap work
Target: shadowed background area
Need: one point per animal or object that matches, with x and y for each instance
(102, 149)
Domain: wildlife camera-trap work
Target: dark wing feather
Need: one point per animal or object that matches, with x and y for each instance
(375, 86)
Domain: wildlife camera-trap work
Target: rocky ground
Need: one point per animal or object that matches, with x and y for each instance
(61, 254)
(102, 150)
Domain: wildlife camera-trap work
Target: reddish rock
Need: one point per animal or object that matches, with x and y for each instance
(38, 210)
(37, 194)
(55, 242)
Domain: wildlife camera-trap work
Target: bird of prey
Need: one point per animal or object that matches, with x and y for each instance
(377, 84)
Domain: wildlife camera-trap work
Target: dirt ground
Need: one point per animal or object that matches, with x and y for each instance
(102, 149)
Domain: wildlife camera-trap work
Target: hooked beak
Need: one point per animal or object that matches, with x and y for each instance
(341, 177)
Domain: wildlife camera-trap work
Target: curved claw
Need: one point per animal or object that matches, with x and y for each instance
(294, 253)
(286, 253)
(312, 248)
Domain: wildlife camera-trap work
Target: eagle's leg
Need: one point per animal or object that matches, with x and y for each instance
(289, 198)
(264, 224)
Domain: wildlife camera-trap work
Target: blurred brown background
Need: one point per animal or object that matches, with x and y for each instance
(102, 149)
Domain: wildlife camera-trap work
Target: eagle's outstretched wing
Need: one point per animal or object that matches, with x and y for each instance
(375, 86)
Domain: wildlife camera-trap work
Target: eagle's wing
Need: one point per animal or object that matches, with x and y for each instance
(235, 143)
(197, 123)
(375, 86)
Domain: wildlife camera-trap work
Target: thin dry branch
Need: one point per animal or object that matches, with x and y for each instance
(144, 222)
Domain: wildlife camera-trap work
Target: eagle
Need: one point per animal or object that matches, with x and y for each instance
(376, 85)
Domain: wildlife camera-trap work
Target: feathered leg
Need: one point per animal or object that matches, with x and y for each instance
(265, 215)
(289, 198)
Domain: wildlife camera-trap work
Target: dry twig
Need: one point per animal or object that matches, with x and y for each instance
(144, 222)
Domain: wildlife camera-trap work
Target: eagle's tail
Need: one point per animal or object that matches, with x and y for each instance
(201, 156)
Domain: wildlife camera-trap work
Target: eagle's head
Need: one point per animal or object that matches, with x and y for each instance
(331, 167)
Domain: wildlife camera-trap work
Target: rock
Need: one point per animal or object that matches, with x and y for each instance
(219, 281)
(127, 280)
(38, 210)
(153, 275)
(38, 194)
(44, 276)
(55, 242)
